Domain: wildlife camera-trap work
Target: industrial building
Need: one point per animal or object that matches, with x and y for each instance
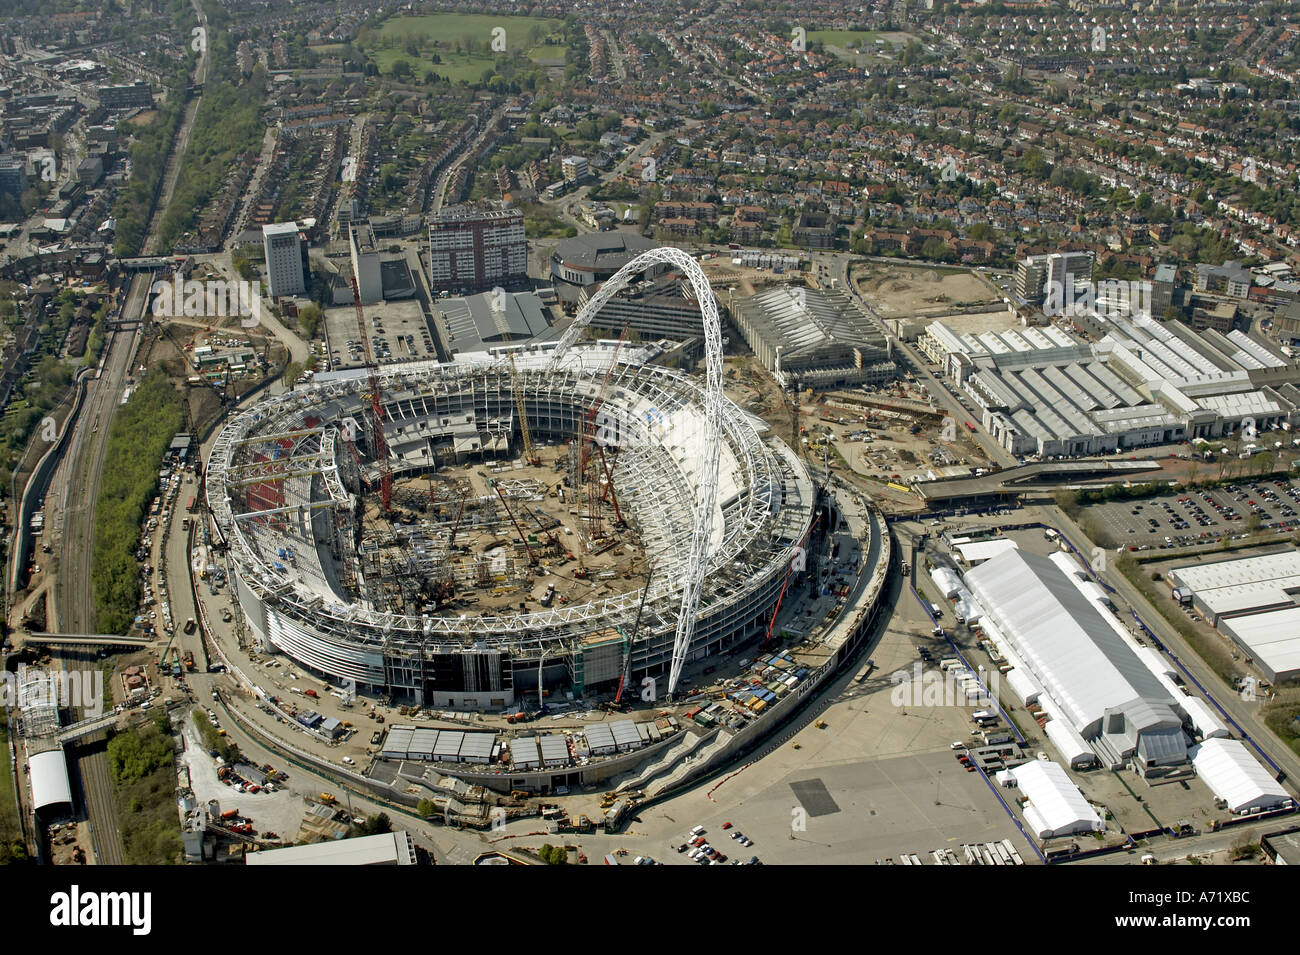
(387, 848)
(1252, 601)
(814, 338)
(475, 249)
(1140, 382)
(474, 322)
(1073, 648)
(283, 246)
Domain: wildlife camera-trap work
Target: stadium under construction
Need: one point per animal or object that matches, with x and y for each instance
(569, 512)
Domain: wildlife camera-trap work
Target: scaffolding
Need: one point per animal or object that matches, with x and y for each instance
(426, 407)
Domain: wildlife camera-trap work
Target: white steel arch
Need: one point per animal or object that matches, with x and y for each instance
(706, 494)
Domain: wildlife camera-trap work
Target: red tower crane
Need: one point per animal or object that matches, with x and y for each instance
(592, 477)
(376, 406)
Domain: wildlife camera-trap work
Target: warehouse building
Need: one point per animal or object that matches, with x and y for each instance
(1140, 382)
(814, 338)
(1237, 778)
(479, 321)
(1054, 806)
(387, 848)
(1063, 638)
(1252, 601)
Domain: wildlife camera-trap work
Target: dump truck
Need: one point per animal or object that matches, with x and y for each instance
(328, 799)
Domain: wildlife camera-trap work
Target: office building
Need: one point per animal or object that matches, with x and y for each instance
(473, 250)
(13, 175)
(126, 97)
(365, 263)
(1037, 274)
(283, 246)
(1162, 289)
(575, 168)
(1229, 279)
(652, 309)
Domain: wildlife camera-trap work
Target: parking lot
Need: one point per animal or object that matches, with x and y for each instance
(397, 330)
(1199, 516)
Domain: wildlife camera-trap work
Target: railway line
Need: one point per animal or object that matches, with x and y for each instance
(75, 490)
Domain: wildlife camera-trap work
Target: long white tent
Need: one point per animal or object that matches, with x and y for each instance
(1237, 777)
(1067, 644)
(1056, 807)
(49, 777)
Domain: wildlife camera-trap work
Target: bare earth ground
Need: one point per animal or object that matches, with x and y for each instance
(899, 291)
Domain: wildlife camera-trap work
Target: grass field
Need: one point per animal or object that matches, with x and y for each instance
(863, 43)
(555, 55)
(8, 811)
(445, 28)
(441, 32)
(858, 38)
(454, 66)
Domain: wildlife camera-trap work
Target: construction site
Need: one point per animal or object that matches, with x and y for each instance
(567, 516)
(499, 536)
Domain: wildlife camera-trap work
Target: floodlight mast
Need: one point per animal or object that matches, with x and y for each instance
(706, 493)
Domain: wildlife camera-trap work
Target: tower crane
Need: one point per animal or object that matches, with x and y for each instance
(631, 637)
(516, 386)
(376, 406)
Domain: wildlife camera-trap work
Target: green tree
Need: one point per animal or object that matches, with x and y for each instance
(309, 319)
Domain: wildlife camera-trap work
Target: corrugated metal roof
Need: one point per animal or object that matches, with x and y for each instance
(1060, 634)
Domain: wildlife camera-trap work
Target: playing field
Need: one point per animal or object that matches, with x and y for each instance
(443, 31)
(859, 38)
(859, 45)
(445, 28)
